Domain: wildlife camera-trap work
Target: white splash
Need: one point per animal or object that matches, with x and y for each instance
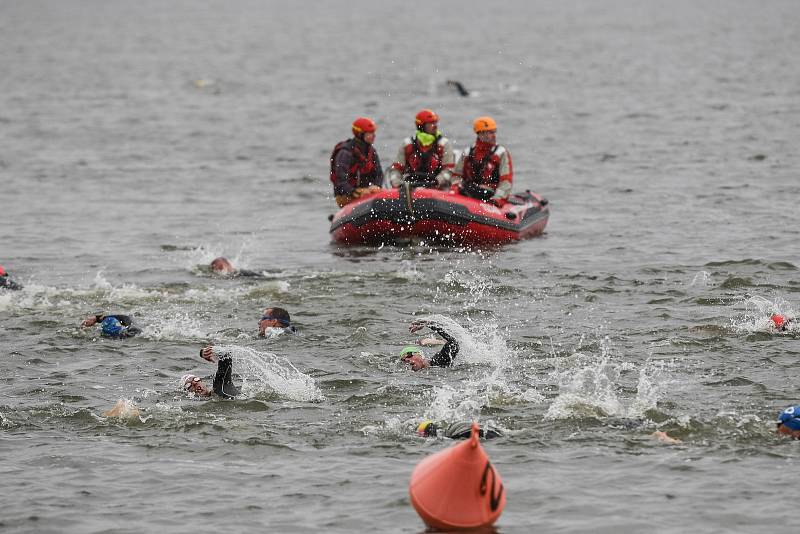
(264, 372)
(757, 312)
(701, 279)
(173, 324)
(482, 343)
(589, 387)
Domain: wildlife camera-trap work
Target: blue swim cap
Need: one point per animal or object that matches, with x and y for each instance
(790, 418)
(111, 326)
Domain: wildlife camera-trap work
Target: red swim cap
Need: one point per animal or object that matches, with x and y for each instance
(2, 271)
(778, 320)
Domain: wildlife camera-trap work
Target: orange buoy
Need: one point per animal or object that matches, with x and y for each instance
(458, 488)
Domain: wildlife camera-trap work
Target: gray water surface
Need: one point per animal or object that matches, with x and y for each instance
(138, 141)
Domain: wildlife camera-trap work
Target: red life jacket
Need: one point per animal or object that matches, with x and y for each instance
(423, 163)
(482, 166)
(363, 170)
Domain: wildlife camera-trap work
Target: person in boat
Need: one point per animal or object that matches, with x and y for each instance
(426, 157)
(223, 379)
(789, 422)
(223, 267)
(355, 166)
(275, 319)
(6, 282)
(457, 430)
(780, 322)
(113, 325)
(486, 171)
(415, 358)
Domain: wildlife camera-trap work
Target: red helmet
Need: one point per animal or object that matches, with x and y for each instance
(364, 125)
(426, 115)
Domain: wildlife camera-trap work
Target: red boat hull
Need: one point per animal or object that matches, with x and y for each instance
(404, 214)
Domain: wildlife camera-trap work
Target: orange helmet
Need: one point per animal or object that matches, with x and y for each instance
(484, 124)
(364, 125)
(426, 115)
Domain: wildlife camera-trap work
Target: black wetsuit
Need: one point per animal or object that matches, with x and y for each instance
(445, 357)
(464, 431)
(223, 382)
(459, 430)
(245, 272)
(8, 283)
(125, 320)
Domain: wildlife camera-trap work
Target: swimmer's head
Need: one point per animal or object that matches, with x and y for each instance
(3, 271)
(410, 349)
(274, 318)
(426, 429)
(222, 266)
(789, 422)
(413, 356)
(193, 384)
(778, 320)
(111, 327)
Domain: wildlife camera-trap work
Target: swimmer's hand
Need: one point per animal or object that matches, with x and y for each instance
(417, 325)
(207, 353)
(663, 437)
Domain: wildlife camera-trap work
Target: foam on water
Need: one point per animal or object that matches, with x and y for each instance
(266, 372)
(590, 387)
(173, 324)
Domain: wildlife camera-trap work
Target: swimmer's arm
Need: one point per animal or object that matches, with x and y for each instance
(442, 332)
(445, 357)
(223, 382)
(98, 318)
(126, 320)
(245, 272)
(8, 283)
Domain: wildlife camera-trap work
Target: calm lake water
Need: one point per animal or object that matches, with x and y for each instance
(139, 140)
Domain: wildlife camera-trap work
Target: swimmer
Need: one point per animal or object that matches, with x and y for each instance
(781, 322)
(223, 267)
(223, 382)
(415, 357)
(789, 422)
(123, 409)
(457, 430)
(115, 325)
(6, 282)
(275, 318)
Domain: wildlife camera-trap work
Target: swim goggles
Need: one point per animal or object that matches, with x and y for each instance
(190, 381)
(284, 322)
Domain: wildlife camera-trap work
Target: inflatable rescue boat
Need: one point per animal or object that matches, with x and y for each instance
(408, 214)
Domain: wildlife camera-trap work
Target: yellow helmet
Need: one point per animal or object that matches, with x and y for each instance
(484, 124)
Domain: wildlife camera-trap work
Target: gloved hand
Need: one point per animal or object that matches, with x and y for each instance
(443, 179)
(395, 178)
